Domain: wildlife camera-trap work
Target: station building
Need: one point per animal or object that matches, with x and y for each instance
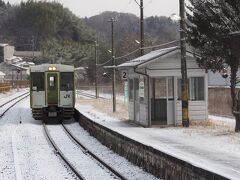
(154, 87)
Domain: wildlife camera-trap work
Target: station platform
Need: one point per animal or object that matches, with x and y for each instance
(216, 150)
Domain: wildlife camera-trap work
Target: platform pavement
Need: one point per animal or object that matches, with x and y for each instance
(199, 150)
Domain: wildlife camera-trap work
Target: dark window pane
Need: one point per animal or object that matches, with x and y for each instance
(67, 81)
(130, 86)
(37, 79)
(136, 89)
(197, 88)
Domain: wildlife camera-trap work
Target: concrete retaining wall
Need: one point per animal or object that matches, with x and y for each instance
(154, 161)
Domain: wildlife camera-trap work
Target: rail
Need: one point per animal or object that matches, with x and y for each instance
(81, 93)
(23, 97)
(75, 140)
(59, 152)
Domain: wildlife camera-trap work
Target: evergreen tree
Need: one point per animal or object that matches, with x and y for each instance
(212, 34)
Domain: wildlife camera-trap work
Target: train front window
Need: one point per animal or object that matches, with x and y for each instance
(66, 81)
(51, 81)
(37, 81)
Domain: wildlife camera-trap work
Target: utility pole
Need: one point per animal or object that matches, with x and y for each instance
(184, 84)
(112, 20)
(141, 28)
(96, 61)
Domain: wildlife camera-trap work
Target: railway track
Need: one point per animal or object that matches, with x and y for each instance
(86, 159)
(9, 104)
(81, 93)
(60, 153)
(92, 154)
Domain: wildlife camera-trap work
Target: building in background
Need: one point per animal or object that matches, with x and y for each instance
(6, 51)
(2, 76)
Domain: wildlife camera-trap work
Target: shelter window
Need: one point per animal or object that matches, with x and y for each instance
(130, 85)
(195, 89)
(136, 89)
(170, 88)
(67, 81)
(37, 81)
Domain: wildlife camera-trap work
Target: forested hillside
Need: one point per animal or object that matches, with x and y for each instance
(157, 29)
(47, 27)
(65, 38)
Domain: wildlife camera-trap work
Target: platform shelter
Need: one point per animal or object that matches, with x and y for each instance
(154, 83)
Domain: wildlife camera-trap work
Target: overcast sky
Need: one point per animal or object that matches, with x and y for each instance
(87, 8)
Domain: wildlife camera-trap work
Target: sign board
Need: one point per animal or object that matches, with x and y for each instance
(141, 87)
(124, 75)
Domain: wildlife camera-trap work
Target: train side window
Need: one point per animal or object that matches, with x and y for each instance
(67, 81)
(37, 81)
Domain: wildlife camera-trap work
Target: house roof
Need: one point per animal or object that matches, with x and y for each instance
(3, 45)
(153, 55)
(2, 74)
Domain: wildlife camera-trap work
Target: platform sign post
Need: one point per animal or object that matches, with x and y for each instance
(18, 71)
(125, 92)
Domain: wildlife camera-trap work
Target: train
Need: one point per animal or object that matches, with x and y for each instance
(52, 91)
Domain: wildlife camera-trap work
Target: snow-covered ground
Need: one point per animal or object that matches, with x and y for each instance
(104, 95)
(24, 150)
(26, 154)
(212, 145)
(4, 97)
(86, 165)
(122, 165)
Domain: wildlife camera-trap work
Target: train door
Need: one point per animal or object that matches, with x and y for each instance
(52, 88)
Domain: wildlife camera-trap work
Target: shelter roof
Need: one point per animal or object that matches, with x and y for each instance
(153, 55)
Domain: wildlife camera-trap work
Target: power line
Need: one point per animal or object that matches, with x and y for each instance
(136, 50)
(160, 45)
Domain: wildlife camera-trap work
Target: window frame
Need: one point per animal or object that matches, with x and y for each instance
(36, 80)
(65, 88)
(190, 89)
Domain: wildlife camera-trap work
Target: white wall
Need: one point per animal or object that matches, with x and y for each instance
(8, 52)
(197, 111)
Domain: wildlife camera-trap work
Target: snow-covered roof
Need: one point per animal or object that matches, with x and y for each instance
(2, 74)
(148, 57)
(3, 45)
(153, 55)
(14, 57)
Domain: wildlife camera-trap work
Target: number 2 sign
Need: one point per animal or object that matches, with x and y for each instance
(124, 75)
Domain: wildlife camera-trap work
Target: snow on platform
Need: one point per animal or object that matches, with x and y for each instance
(211, 149)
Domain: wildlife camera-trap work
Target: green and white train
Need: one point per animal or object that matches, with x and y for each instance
(52, 91)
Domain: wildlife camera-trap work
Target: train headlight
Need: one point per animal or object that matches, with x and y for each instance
(52, 68)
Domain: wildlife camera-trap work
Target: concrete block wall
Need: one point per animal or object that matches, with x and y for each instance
(152, 160)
